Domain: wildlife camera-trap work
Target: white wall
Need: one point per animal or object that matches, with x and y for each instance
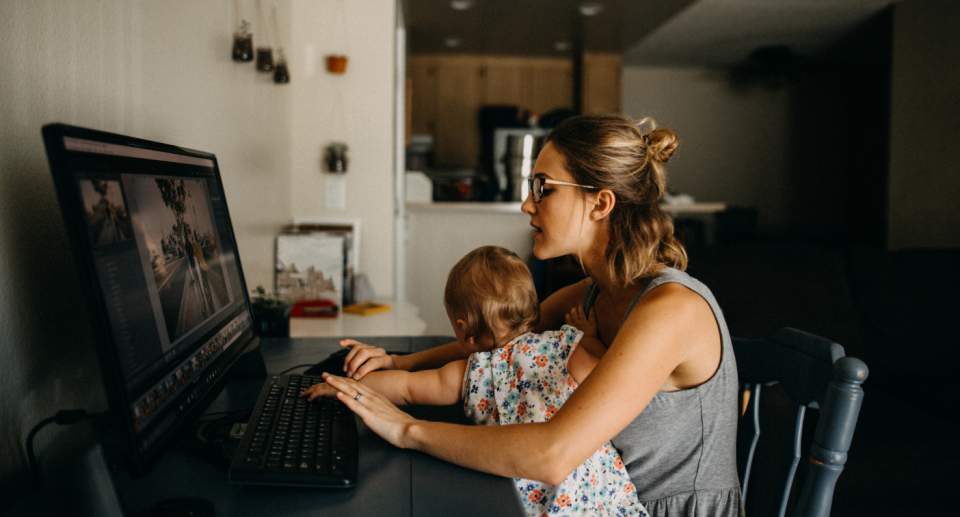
(924, 186)
(439, 237)
(733, 145)
(156, 70)
(355, 107)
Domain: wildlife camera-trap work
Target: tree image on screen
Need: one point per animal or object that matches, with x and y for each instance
(106, 212)
(186, 266)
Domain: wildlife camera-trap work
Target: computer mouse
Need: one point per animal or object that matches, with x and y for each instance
(333, 364)
(183, 507)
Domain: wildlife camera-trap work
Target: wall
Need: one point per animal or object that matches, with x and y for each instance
(155, 70)
(925, 129)
(733, 144)
(439, 236)
(807, 148)
(356, 107)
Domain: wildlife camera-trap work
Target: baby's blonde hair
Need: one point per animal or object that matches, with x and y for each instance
(492, 291)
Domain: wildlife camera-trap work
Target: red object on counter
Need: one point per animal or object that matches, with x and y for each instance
(314, 309)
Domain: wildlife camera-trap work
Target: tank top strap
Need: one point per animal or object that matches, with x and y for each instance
(591, 297)
(667, 275)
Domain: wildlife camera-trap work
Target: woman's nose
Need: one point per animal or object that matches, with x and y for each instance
(528, 205)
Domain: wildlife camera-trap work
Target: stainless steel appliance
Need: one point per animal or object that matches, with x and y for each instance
(515, 152)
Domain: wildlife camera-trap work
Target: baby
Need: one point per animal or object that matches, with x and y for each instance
(514, 376)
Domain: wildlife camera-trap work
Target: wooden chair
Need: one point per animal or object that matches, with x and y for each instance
(813, 373)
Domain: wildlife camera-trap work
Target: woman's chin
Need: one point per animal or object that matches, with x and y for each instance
(542, 252)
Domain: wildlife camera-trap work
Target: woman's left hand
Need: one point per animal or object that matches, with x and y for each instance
(380, 415)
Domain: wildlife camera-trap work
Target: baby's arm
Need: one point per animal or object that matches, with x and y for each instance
(438, 387)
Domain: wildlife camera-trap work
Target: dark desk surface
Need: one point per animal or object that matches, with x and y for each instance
(391, 481)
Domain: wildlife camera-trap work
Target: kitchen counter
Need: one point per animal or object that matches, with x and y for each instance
(514, 207)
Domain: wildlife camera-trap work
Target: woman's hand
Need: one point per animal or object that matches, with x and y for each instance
(320, 389)
(374, 409)
(585, 322)
(363, 359)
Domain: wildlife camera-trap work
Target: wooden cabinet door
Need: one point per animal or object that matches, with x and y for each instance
(422, 74)
(460, 92)
(547, 85)
(601, 83)
(504, 80)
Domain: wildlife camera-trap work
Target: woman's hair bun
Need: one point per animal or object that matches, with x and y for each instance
(661, 144)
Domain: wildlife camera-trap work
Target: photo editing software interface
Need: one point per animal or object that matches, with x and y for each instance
(166, 264)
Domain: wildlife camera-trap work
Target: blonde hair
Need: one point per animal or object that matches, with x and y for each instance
(611, 152)
(492, 291)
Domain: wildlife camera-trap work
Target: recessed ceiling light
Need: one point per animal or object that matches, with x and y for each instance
(452, 42)
(561, 46)
(591, 8)
(461, 5)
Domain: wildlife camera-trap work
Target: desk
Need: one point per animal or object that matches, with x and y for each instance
(403, 319)
(391, 482)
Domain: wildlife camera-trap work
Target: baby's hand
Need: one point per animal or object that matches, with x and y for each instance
(319, 390)
(586, 323)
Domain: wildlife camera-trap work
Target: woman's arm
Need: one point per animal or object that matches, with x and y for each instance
(364, 358)
(650, 346)
(438, 387)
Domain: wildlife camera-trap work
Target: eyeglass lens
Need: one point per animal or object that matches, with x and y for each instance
(536, 188)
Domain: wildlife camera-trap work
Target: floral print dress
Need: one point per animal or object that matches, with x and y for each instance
(527, 381)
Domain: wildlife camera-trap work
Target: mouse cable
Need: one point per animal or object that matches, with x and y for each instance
(294, 368)
(63, 417)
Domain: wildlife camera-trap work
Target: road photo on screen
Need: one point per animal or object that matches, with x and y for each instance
(174, 216)
(107, 216)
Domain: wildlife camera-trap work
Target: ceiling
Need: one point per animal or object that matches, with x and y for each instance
(647, 32)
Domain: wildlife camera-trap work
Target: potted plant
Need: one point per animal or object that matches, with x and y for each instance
(271, 315)
(336, 64)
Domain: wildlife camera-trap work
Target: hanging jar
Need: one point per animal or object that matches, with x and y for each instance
(337, 157)
(264, 52)
(281, 72)
(243, 37)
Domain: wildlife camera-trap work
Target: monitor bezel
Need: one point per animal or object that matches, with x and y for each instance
(139, 462)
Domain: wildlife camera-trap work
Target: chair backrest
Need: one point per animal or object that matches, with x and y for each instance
(813, 373)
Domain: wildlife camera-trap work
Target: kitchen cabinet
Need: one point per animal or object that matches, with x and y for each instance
(601, 83)
(448, 91)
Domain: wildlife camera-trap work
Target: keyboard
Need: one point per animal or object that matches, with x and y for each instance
(290, 441)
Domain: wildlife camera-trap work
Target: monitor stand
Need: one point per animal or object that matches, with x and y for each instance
(250, 365)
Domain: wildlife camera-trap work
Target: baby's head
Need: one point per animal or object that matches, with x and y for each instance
(490, 298)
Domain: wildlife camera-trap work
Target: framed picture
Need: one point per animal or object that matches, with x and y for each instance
(310, 266)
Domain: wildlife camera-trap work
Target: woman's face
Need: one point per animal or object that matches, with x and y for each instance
(558, 219)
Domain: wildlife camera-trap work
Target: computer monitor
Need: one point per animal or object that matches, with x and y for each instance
(161, 277)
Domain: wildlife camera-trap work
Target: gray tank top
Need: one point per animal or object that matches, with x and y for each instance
(681, 450)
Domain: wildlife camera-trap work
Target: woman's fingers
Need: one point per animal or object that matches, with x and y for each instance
(377, 412)
(355, 347)
(363, 359)
(375, 363)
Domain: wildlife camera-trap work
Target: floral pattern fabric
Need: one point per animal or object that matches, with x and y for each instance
(527, 381)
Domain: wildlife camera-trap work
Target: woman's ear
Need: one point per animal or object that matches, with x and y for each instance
(605, 201)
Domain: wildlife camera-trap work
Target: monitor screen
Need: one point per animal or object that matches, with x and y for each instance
(157, 257)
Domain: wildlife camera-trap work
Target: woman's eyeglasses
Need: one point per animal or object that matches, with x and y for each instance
(536, 184)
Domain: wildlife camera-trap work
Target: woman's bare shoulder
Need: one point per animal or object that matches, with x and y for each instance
(684, 323)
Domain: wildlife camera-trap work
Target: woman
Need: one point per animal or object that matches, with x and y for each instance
(665, 389)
